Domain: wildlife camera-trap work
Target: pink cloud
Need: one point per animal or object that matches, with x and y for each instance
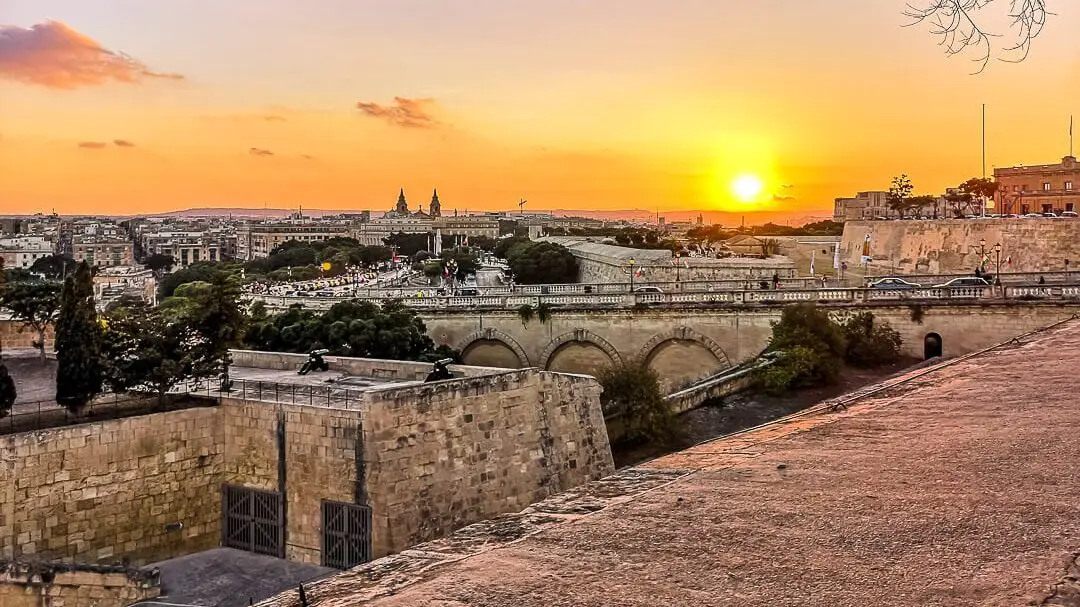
(92, 145)
(411, 113)
(260, 152)
(52, 54)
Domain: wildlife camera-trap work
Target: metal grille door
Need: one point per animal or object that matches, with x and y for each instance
(346, 534)
(252, 520)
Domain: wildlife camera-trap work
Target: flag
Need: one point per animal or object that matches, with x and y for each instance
(466, 241)
(1008, 260)
(812, 255)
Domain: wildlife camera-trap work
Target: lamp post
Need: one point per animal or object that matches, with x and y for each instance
(678, 268)
(1066, 271)
(630, 262)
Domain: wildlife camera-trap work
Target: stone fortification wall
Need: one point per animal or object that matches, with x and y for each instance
(66, 585)
(441, 456)
(16, 335)
(101, 491)
(601, 263)
(946, 246)
(360, 367)
(308, 453)
(427, 458)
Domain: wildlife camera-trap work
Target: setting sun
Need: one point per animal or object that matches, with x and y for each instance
(747, 187)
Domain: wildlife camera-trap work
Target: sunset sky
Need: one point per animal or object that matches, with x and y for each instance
(124, 106)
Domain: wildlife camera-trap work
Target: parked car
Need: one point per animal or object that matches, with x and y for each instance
(648, 290)
(963, 281)
(1072, 214)
(893, 283)
(1050, 215)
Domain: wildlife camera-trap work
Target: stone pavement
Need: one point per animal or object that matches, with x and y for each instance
(957, 486)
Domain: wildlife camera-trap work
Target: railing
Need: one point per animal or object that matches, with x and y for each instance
(629, 300)
(43, 414)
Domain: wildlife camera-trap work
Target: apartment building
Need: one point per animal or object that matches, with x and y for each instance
(1042, 188)
(23, 251)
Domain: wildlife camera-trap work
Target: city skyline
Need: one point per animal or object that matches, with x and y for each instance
(120, 107)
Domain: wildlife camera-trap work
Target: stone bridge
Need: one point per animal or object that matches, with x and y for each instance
(687, 344)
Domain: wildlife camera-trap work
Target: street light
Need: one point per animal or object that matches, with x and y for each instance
(630, 262)
(678, 267)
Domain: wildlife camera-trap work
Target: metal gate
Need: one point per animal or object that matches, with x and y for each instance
(252, 520)
(346, 534)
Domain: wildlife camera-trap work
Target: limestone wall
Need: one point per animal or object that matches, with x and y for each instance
(444, 455)
(318, 462)
(64, 585)
(15, 335)
(427, 458)
(945, 246)
(99, 491)
(683, 345)
(360, 367)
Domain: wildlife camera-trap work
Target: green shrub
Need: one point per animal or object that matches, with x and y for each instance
(794, 368)
(632, 392)
(869, 343)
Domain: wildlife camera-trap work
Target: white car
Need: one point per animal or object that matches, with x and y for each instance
(963, 281)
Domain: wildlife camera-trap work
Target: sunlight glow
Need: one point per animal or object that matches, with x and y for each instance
(747, 187)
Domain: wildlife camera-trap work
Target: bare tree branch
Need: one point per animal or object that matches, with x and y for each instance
(957, 25)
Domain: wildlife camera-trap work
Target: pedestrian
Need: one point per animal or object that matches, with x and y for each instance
(824, 282)
(775, 281)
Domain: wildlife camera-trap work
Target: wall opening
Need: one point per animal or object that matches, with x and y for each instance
(932, 346)
(346, 540)
(252, 520)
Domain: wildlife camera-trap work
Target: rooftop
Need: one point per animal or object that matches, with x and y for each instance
(955, 484)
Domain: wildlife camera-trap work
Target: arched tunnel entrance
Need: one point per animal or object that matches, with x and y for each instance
(932, 346)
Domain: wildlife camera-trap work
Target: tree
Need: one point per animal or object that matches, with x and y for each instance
(35, 304)
(54, 267)
(463, 259)
(78, 342)
(899, 192)
(213, 309)
(503, 247)
(811, 349)
(632, 393)
(203, 271)
(869, 343)
(7, 390)
(159, 263)
(958, 23)
(484, 243)
(408, 244)
(978, 188)
(349, 328)
(919, 203)
(542, 263)
(148, 349)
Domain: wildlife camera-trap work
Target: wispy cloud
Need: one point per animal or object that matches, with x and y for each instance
(92, 145)
(781, 198)
(307, 157)
(787, 186)
(123, 143)
(260, 152)
(54, 55)
(274, 118)
(404, 112)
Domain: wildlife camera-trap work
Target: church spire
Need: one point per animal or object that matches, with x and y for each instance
(435, 208)
(402, 205)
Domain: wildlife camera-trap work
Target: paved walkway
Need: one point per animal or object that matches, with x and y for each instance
(960, 486)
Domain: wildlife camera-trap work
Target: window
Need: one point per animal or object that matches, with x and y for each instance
(1016, 188)
(1046, 186)
(1068, 185)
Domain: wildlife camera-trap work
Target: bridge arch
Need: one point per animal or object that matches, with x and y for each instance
(684, 334)
(494, 336)
(682, 355)
(582, 337)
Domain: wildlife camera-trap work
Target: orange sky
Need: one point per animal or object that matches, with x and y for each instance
(124, 106)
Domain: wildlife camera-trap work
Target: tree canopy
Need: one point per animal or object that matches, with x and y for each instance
(542, 263)
(349, 328)
(35, 303)
(78, 341)
(54, 267)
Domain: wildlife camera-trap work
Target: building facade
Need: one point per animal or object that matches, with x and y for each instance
(256, 240)
(874, 204)
(23, 251)
(1044, 188)
(103, 252)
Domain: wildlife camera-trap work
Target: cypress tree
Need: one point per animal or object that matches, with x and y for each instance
(78, 342)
